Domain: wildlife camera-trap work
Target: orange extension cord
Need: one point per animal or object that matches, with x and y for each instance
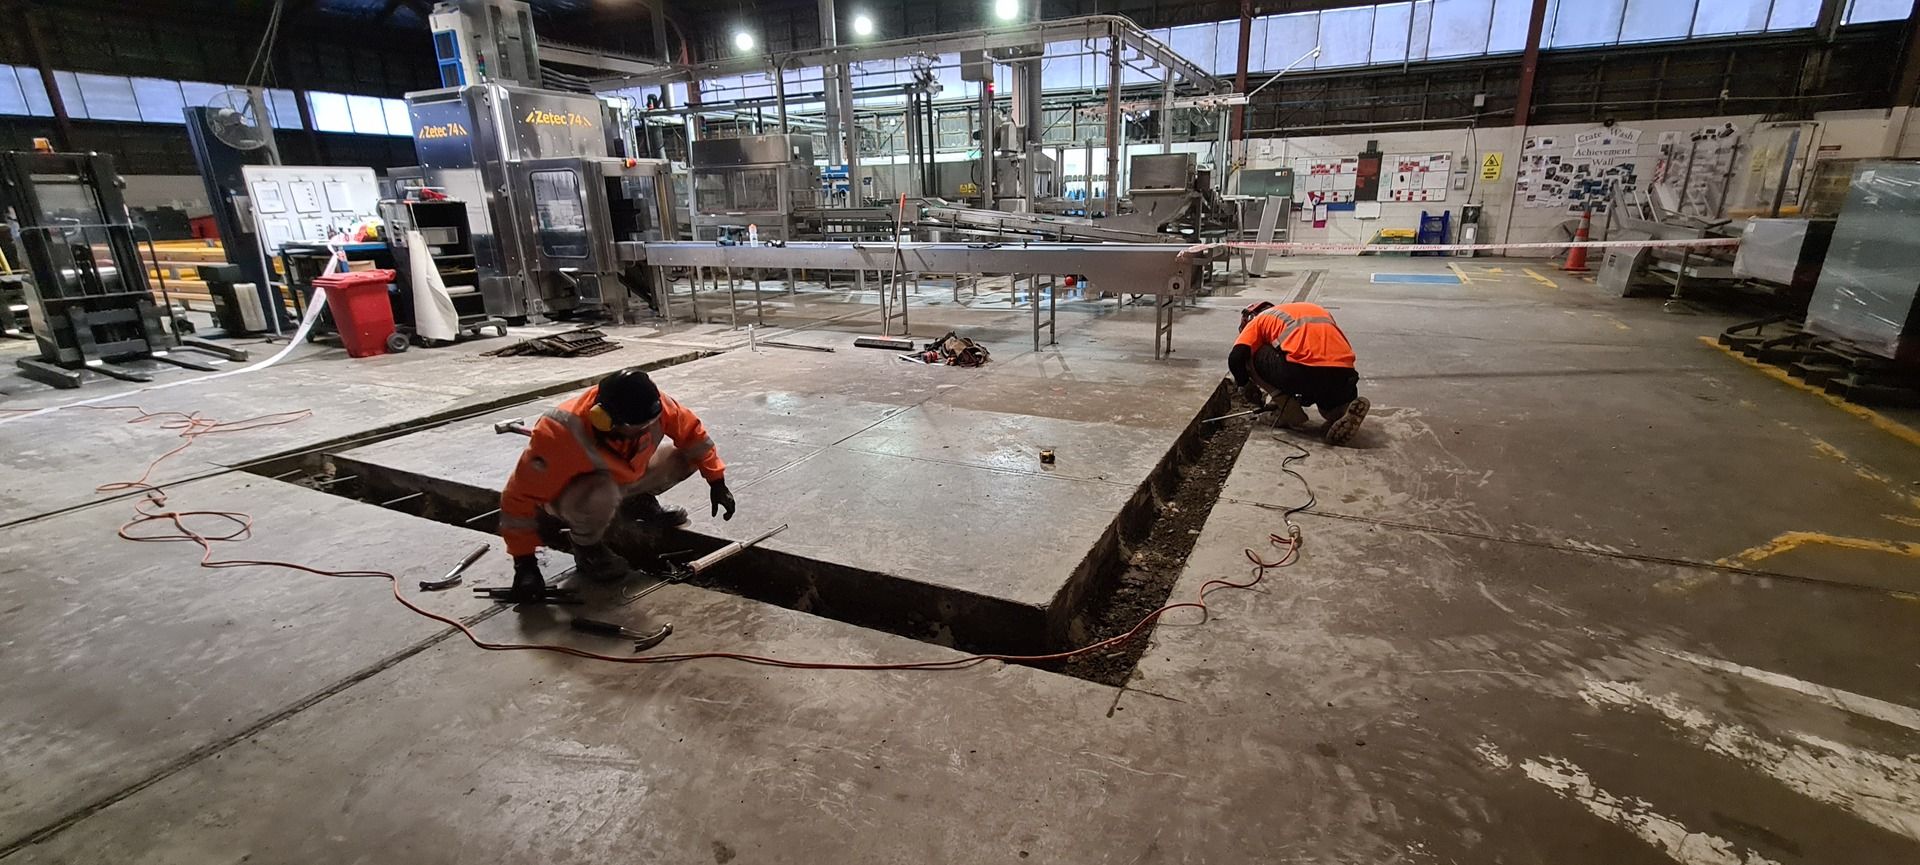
(191, 427)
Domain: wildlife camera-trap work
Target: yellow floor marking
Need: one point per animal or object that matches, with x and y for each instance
(1789, 541)
(1879, 421)
(1494, 269)
(1460, 272)
(1541, 279)
(1826, 449)
(1905, 521)
(1617, 323)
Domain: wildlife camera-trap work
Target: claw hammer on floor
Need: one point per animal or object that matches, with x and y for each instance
(512, 425)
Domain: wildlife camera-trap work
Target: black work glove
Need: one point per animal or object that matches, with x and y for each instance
(722, 498)
(526, 573)
(1254, 396)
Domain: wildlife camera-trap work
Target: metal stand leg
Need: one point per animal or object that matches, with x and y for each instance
(1036, 313)
(733, 302)
(662, 296)
(1053, 311)
(693, 294)
(1163, 326)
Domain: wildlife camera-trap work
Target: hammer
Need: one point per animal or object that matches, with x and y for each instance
(512, 425)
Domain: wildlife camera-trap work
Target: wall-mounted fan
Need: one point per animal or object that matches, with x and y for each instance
(233, 122)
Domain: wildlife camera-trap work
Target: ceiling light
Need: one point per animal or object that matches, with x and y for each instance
(862, 25)
(743, 41)
(1006, 10)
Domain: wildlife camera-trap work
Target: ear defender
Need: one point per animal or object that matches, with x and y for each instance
(598, 417)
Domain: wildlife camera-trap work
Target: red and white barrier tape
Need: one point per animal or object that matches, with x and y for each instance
(1358, 248)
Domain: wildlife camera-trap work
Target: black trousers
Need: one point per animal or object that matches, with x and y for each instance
(1328, 387)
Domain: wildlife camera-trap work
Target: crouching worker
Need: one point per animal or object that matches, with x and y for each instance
(1295, 355)
(597, 456)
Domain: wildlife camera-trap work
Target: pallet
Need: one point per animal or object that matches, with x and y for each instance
(1832, 365)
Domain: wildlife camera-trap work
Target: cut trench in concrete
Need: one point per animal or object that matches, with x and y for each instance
(945, 615)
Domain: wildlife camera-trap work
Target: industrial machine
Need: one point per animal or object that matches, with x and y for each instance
(88, 298)
(556, 212)
(757, 180)
(484, 40)
(1172, 199)
(1634, 271)
(1172, 193)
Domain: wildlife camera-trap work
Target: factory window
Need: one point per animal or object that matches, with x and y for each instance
(1868, 11)
(105, 97)
(369, 115)
(210, 95)
(1401, 31)
(1585, 23)
(330, 111)
(1508, 33)
(1226, 50)
(399, 122)
(1655, 20)
(69, 89)
(1289, 38)
(1346, 37)
(1196, 42)
(1793, 14)
(18, 86)
(1459, 28)
(1061, 68)
(1724, 19)
(283, 108)
(159, 100)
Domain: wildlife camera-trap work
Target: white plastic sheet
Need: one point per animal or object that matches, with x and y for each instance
(433, 315)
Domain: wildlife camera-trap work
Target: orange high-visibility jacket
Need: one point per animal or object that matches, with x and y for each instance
(1305, 331)
(565, 446)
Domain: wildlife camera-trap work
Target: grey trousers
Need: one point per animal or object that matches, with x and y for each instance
(588, 503)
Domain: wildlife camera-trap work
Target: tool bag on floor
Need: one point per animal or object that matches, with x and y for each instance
(956, 350)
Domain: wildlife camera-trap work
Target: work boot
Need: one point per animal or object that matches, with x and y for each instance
(647, 509)
(1292, 415)
(1343, 427)
(598, 563)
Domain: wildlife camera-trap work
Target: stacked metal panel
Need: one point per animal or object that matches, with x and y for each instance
(1869, 292)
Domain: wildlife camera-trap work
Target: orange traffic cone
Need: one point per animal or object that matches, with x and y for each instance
(1577, 256)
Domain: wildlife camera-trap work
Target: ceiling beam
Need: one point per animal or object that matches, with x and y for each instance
(1091, 27)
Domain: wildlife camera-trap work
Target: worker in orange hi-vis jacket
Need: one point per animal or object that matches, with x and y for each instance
(600, 454)
(1296, 353)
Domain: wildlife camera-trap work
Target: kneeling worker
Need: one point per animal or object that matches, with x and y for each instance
(599, 454)
(1295, 352)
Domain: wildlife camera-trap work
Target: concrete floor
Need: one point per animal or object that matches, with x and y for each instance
(1587, 590)
(927, 479)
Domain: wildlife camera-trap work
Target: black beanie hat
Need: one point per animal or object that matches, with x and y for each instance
(630, 396)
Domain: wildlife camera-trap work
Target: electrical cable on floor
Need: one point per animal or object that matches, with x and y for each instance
(152, 509)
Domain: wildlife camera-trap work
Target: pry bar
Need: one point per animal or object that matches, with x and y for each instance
(453, 577)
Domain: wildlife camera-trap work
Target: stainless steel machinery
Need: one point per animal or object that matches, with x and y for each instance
(757, 180)
(547, 205)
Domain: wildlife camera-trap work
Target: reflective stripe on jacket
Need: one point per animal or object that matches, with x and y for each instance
(564, 445)
(1304, 331)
